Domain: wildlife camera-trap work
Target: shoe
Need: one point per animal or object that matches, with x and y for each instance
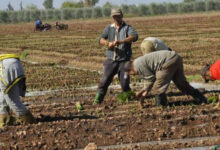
(26, 118)
(4, 120)
(199, 97)
(161, 100)
(98, 98)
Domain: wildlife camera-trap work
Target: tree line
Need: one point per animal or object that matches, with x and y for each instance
(67, 13)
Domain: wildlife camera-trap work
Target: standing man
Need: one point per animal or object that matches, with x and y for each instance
(12, 85)
(158, 69)
(117, 38)
(212, 73)
(38, 25)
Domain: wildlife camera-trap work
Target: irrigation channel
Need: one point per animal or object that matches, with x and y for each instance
(152, 143)
(205, 87)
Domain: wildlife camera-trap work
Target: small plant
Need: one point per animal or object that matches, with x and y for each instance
(124, 97)
(79, 106)
(24, 55)
(213, 99)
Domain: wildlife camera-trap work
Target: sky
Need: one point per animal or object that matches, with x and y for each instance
(57, 3)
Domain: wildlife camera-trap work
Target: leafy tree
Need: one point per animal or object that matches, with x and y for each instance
(72, 4)
(90, 3)
(107, 4)
(48, 4)
(3, 17)
(21, 6)
(31, 7)
(189, 1)
(10, 8)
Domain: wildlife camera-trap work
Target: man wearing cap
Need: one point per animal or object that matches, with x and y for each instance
(12, 85)
(117, 38)
(151, 44)
(158, 69)
(211, 73)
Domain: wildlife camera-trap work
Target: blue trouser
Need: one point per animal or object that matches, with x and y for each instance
(111, 68)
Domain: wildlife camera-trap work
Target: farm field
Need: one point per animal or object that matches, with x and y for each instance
(68, 64)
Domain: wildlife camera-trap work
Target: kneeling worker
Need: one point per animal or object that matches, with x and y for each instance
(211, 73)
(158, 69)
(12, 85)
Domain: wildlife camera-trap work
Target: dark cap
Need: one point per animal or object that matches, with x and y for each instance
(204, 71)
(116, 12)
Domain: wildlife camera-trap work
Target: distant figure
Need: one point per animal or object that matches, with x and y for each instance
(38, 25)
(41, 27)
(60, 26)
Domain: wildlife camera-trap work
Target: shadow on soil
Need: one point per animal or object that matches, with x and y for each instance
(61, 118)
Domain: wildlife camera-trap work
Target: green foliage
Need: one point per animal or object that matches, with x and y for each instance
(48, 4)
(143, 10)
(185, 8)
(13, 16)
(70, 4)
(133, 10)
(107, 5)
(67, 13)
(79, 13)
(57, 14)
(3, 17)
(172, 8)
(97, 12)
(199, 6)
(125, 8)
(24, 55)
(90, 3)
(124, 97)
(212, 99)
(49, 14)
(87, 13)
(35, 14)
(31, 7)
(10, 8)
(157, 9)
(106, 11)
(188, 1)
(79, 106)
(191, 78)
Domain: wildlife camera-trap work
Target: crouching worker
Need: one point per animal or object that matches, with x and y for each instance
(12, 85)
(158, 69)
(152, 44)
(211, 73)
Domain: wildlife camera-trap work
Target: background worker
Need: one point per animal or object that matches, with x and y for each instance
(158, 69)
(38, 25)
(118, 38)
(12, 85)
(211, 73)
(151, 44)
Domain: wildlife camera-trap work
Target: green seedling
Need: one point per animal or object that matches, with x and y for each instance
(79, 106)
(24, 55)
(124, 97)
(213, 99)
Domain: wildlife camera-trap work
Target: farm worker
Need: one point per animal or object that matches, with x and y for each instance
(61, 26)
(151, 44)
(211, 73)
(12, 85)
(38, 24)
(158, 69)
(117, 38)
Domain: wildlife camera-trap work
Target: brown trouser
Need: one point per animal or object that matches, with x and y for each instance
(172, 70)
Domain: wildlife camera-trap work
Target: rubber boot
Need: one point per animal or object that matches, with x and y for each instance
(161, 100)
(199, 97)
(98, 98)
(4, 120)
(26, 118)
